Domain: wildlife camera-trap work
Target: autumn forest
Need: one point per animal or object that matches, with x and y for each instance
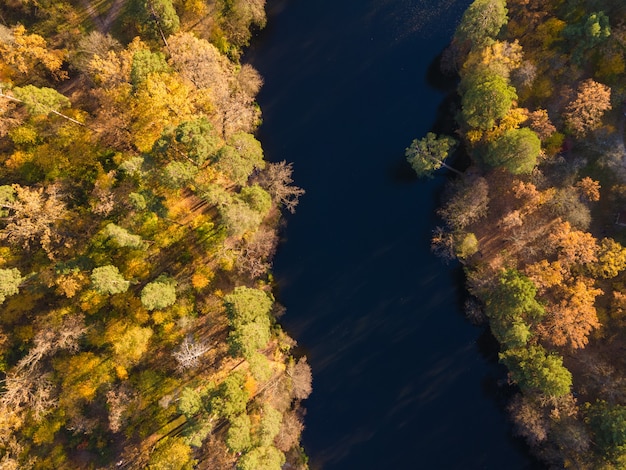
(538, 218)
(138, 222)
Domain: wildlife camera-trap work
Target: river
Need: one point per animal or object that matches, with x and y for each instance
(401, 379)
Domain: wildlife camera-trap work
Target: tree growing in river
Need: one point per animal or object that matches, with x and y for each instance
(427, 155)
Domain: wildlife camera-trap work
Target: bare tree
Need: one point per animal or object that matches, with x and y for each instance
(301, 378)
(277, 180)
(257, 252)
(189, 352)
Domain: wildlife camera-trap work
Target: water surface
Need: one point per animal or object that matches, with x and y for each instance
(401, 379)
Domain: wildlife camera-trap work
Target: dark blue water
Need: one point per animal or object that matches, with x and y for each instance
(401, 379)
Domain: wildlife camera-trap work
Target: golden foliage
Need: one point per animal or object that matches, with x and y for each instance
(25, 51)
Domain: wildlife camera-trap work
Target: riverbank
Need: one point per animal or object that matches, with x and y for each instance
(542, 253)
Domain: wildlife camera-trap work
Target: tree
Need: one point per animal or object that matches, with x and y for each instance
(190, 402)
(572, 314)
(428, 154)
(262, 458)
(195, 140)
(584, 113)
(611, 259)
(486, 97)
(240, 157)
(40, 101)
(481, 22)
(177, 175)
(533, 369)
(269, 426)
(25, 52)
(91, 45)
(574, 247)
(189, 353)
(238, 16)
(290, 431)
(511, 306)
(159, 294)
(277, 180)
(608, 423)
(244, 304)
(540, 123)
(230, 398)
(171, 453)
(108, 280)
(248, 338)
(516, 150)
(32, 215)
(588, 34)
(301, 378)
(238, 437)
(144, 63)
(10, 280)
(122, 237)
(129, 342)
(256, 198)
(156, 18)
(468, 202)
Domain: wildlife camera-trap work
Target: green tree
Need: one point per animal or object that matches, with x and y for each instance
(257, 198)
(269, 426)
(481, 22)
(238, 438)
(159, 294)
(189, 402)
(248, 338)
(155, 18)
(177, 175)
(428, 154)
(10, 280)
(108, 280)
(41, 100)
(262, 458)
(240, 157)
(244, 304)
(587, 34)
(516, 150)
(122, 237)
(195, 140)
(144, 63)
(608, 423)
(536, 370)
(486, 97)
(510, 306)
(230, 397)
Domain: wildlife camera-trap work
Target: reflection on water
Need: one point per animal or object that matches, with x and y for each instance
(398, 377)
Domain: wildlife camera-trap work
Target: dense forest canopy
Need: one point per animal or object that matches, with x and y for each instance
(137, 225)
(538, 217)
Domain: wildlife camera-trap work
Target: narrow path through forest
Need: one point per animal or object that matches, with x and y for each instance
(103, 25)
